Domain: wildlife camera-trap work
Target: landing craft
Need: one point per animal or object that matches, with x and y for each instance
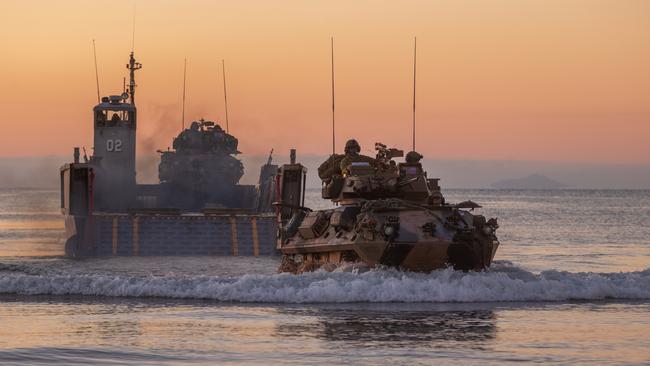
(198, 208)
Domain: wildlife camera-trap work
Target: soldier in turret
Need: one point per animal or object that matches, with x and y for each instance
(337, 164)
(413, 157)
(189, 138)
(352, 155)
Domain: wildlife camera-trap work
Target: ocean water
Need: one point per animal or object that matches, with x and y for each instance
(571, 285)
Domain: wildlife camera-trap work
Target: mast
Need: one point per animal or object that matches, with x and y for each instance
(132, 66)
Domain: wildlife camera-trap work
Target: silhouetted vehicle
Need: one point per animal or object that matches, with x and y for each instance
(202, 171)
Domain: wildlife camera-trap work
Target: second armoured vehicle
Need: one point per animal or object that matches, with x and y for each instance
(202, 171)
(386, 213)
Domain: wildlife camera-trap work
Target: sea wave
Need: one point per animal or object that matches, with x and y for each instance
(507, 283)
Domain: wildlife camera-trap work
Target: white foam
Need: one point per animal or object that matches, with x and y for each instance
(502, 284)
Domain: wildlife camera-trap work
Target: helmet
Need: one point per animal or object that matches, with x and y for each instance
(352, 147)
(413, 157)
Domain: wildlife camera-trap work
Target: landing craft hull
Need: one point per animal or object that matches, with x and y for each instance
(114, 234)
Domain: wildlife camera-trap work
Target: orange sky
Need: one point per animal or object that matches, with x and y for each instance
(503, 79)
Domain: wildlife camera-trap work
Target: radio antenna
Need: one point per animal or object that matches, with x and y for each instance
(184, 80)
(415, 58)
(133, 31)
(96, 73)
(333, 114)
(225, 94)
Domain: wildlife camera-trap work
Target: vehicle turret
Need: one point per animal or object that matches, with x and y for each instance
(383, 178)
(205, 137)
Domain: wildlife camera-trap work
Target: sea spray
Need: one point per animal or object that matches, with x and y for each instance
(506, 283)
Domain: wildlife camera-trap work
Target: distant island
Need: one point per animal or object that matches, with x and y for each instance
(534, 181)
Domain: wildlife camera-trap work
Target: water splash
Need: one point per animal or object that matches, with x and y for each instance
(502, 283)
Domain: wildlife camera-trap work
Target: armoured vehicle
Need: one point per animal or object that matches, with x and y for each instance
(201, 171)
(386, 213)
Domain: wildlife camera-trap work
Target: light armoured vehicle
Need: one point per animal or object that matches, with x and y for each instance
(202, 170)
(385, 213)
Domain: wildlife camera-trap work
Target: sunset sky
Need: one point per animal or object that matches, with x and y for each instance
(505, 79)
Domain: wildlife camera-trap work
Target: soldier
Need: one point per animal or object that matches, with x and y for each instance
(413, 157)
(337, 164)
(352, 150)
(115, 119)
(189, 138)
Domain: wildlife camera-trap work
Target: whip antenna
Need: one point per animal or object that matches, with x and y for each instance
(333, 118)
(415, 57)
(133, 32)
(225, 94)
(96, 73)
(184, 79)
